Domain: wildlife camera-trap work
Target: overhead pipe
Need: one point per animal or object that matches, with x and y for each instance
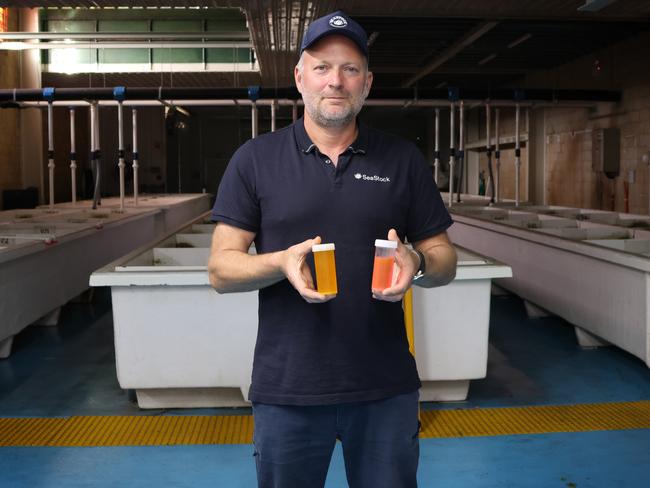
(436, 153)
(144, 36)
(264, 102)
(119, 94)
(498, 97)
(175, 44)
(135, 156)
(461, 152)
(48, 93)
(497, 154)
(73, 158)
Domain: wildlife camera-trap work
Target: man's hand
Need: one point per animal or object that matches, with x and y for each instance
(294, 267)
(407, 263)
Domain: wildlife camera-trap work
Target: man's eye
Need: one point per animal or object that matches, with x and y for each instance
(320, 68)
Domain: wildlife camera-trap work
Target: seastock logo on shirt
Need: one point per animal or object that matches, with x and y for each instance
(378, 179)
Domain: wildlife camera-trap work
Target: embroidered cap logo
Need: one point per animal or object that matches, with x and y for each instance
(338, 21)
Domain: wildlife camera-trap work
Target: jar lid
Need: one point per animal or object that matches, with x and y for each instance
(386, 244)
(322, 247)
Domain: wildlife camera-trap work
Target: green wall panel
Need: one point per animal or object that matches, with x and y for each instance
(144, 20)
(124, 56)
(177, 26)
(123, 26)
(177, 56)
(228, 55)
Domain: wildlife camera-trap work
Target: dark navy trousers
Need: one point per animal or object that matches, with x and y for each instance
(294, 444)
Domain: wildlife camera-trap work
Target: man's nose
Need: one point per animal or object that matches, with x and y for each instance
(336, 78)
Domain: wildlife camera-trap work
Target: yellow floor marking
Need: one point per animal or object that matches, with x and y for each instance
(238, 429)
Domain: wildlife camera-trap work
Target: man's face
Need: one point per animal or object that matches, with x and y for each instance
(334, 81)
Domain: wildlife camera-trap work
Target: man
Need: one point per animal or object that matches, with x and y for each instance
(335, 366)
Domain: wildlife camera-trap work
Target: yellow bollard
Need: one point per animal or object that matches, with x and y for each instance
(407, 305)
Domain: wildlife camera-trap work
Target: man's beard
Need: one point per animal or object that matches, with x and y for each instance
(334, 120)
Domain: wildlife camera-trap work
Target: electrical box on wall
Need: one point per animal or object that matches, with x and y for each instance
(606, 151)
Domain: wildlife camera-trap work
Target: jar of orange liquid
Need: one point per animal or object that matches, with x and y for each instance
(325, 268)
(382, 271)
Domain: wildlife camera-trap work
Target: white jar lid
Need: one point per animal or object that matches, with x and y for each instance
(387, 244)
(322, 247)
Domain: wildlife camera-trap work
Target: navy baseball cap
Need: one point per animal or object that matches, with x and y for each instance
(335, 23)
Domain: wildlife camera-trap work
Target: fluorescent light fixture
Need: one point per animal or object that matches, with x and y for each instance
(14, 46)
(519, 40)
(487, 59)
(595, 5)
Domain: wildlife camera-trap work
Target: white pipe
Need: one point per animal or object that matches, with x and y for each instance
(93, 163)
(97, 195)
(497, 154)
(62, 36)
(488, 144)
(452, 157)
(233, 102)
(50, 151)
(92, 133)
(20, 46)
(120, 149)
(461, 145)
(273, 107)
(135, 157)
(73, 158)
(517, 155)
(436, 161)
(254, 120)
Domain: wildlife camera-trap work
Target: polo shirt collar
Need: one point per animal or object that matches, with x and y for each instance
(359, 146)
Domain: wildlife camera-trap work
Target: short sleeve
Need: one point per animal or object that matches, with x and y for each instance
(237, 203)
(427, 215)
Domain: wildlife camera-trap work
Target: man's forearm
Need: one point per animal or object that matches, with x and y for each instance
(440, 267)
(236, 271)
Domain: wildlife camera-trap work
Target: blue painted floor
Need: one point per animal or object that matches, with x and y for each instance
(69, 370)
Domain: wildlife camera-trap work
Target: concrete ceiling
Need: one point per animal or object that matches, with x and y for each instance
(430, 43)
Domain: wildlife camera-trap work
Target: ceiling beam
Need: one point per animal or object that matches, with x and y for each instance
(396, 69)
(452, 50)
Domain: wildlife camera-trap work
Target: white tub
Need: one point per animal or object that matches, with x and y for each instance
(603, 291)
(451, 326)
(176, 208)
(44, 265)
(180, 344)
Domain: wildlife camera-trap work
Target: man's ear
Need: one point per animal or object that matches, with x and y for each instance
(297, 76)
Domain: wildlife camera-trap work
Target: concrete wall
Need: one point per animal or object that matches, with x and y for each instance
(20, 140)
(569, 178)
(10, 170)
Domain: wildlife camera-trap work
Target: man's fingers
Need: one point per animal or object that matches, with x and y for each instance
(392, 235)
(312, 296)
(387, 297)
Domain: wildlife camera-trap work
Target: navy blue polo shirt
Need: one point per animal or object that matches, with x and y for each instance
(280, 186)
